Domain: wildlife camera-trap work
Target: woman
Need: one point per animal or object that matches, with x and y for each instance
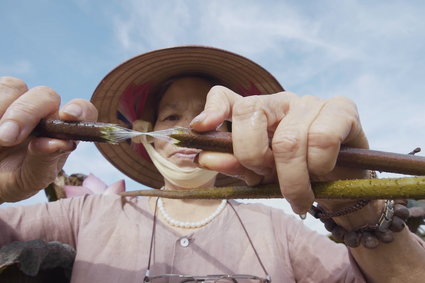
(118, 240)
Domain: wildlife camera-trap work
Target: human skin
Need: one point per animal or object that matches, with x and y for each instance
(185, 99)
(306, 135)
(29, 164)
(180, 103)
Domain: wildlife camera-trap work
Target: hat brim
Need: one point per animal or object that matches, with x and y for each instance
(234, 71)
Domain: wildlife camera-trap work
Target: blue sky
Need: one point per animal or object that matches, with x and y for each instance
(369, 51)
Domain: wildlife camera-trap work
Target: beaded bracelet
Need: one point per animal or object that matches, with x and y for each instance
(318, 212)
(392, 219)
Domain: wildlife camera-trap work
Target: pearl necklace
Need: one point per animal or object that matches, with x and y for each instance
(195, 224)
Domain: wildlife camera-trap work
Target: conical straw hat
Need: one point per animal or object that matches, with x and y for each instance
(132, 87)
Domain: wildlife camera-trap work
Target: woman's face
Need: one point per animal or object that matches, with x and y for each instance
(182, 102)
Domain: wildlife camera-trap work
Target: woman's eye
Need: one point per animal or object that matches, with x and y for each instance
(172, 117)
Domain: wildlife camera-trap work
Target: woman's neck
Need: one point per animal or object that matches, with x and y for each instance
(170, 186)
(187, 210)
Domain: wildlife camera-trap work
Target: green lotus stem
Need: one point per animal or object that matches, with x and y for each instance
(391, 188)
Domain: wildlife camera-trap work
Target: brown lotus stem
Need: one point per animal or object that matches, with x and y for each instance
(209, 141)
(83, 131)
(222, 141)
(395, 188)
(87, 131)
(348, 157)
(381, 161)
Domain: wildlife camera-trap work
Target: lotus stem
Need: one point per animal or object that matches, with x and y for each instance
(390, 188)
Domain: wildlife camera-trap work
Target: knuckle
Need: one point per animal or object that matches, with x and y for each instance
(13, 82)
(22, 109)
(218, 92)
(218, 89)
(343, 99)
(292, 97)
(312, 100)
(345, 104)
(47, 93)
(322, 139)
(252, 158)
(310, 97)
(320, 146)
(290, 94)
(245, 107)
(36, 105)
(216, 97)
(286, 144)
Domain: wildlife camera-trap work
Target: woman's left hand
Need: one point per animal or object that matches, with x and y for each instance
(306, 133)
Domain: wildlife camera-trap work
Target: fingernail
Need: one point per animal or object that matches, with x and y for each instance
(198, 118)
(73, 110)
(298, 210)
(9, 132)
(196, 159)
(303, 216)
(73, 146)
(219, 126)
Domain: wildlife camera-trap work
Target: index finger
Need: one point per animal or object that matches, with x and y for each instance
(24, 113)
(10, 89)
(218, 108)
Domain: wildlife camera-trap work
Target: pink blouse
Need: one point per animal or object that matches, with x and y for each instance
(112, 238)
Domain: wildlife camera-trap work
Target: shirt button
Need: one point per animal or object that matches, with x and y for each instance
(184, 242)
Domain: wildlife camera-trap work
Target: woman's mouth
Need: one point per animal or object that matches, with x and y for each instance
(186, 154)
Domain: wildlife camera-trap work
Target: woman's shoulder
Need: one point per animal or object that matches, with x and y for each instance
(103, 203)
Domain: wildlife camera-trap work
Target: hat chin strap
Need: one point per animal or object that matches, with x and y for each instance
(182, 177)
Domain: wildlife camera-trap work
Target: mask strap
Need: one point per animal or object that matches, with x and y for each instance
(152, 238)
(250, 241)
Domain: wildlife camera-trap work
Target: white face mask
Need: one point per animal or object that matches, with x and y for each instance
(182, 177)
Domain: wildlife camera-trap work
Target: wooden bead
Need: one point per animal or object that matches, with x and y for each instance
(397, 224)
(329, 224)
(352, 239)
(338, 233)
(385, 236)
(369, 240)
(401, 211)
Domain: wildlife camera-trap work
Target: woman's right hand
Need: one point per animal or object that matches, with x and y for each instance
(28, 164)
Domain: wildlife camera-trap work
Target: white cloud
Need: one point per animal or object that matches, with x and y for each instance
(370, 52)
(249, 28)
(297, 42)
(17, 68)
